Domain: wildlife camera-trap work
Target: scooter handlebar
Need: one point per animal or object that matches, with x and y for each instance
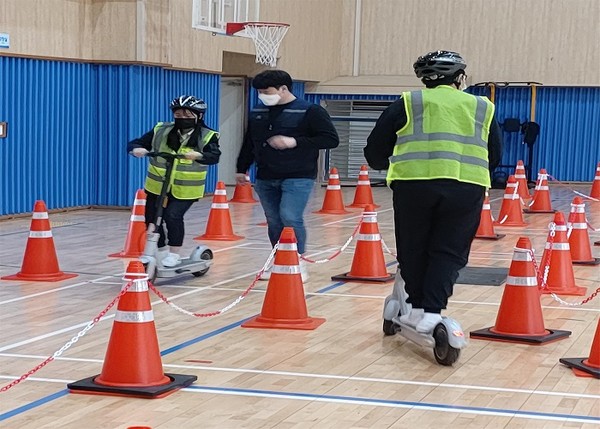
(165, 155)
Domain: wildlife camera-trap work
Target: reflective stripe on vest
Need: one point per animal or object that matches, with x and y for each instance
(188, 177)
(433, 154)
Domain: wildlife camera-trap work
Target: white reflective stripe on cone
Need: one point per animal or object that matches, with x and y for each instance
(333, 187)
(522, 255)
(137, 285)
(511, 196)
(368, 237)
(220, 191)
(558, 246)
(219, 206)
(370, 218)
(520, 176)
(137, 218)
(577, 208)
(579, 225)
(285, 269)
(288, 246)
(40, 234)
(134, 316)
(542, 188)
(334, 176)
(139, 202)
(364, 183)
(560, 227)
(521, 281)
(486, 207)
(40, 215)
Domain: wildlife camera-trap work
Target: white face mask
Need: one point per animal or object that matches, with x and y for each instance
(269, 99)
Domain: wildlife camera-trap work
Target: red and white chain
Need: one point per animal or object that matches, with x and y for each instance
(571, 189)
(339, 251)
(227, 307)
(72, 341)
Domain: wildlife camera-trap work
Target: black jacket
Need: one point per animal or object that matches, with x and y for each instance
(381, 141)
(308, 123)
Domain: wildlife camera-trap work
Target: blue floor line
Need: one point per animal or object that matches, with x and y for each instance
(34, 404)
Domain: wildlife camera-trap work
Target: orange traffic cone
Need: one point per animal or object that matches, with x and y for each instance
(522, 180)
(511, 213)
(589, 367)
(519, 318)
(595, 192)
(284, 306)
(136, 236)
(132, 365)
(40, 263)
(368, 263)
(243, 193)
(486, 226)
(540, 202)
(561, 279)
(363, 195)
(579, 239)
(333, 202)
(219, 225)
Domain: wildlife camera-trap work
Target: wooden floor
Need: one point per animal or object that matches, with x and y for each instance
(344, 374)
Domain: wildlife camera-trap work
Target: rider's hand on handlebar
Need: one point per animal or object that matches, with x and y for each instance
(139, 152)
(193, 155)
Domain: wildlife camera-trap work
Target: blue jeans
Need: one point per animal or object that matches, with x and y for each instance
(284, 201)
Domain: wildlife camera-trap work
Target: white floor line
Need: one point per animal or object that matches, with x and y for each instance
(329, 377)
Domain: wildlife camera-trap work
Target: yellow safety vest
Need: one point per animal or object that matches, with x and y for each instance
(188, 176)
(445, 137)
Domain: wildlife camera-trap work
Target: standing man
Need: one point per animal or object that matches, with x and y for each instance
(439, 145)
(187, 135)
(284, 137)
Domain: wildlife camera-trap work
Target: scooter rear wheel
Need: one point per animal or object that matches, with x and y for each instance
(207, 255)
(444, 353)
(389, 328)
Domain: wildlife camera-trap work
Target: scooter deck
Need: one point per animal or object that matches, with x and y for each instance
(411, 334)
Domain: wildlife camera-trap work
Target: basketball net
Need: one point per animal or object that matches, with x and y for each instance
(267, 38)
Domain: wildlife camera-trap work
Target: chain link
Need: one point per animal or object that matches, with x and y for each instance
(72, 341)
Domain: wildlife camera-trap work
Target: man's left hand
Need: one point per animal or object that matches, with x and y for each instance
(193, 155)
(282, 142)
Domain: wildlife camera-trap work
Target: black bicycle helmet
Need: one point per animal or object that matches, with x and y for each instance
(438, 65)
(196, 105)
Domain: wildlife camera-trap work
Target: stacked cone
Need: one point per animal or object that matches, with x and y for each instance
(486, 222)
(520, 317)
(557, 256)
(40, 263)
(132, 365)
(511, 213)
(521, 177)
(368, 263)
(333, 202)
(363, 196)
(219, 225)
(589, 367)
(136, 235)
(595, 192)
(284, 306)
(540, 202)
(579, 239)
(243, 193)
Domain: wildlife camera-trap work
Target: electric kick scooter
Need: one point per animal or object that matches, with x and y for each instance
(446, 339)
(199, 261)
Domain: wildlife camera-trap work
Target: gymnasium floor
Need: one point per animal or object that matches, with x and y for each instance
(344, 374)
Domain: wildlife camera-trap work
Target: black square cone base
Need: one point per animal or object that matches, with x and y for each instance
(577, 363)
(528, 211)
(595, 261)
(553, 335)
(89, 386)
(348, 278)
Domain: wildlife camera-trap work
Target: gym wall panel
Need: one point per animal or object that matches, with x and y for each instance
(69, 124)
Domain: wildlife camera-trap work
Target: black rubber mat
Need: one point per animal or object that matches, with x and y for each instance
(485, 276)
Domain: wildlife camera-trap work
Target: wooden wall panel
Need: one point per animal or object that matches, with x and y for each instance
(552, 41)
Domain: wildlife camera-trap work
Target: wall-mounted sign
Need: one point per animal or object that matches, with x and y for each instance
(4, 40)
(3, 127)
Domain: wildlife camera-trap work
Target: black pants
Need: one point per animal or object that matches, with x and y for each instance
(172, 218)
(435, 223)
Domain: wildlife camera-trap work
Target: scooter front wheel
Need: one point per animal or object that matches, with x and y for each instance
(444, 353)
(389, 328)
(207, 255)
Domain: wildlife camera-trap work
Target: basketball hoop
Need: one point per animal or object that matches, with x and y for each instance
(267, 37)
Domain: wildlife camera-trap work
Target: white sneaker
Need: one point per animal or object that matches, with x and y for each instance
(428, 322)
(412, 318)
(172, 260)
(163, 252)
(303, 270)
